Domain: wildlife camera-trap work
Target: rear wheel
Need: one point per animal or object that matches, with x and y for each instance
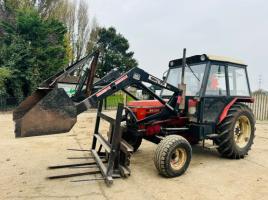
(172, 156)
(236, 132)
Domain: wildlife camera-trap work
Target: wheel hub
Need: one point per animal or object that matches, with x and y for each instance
(178, 158)
(242, 131)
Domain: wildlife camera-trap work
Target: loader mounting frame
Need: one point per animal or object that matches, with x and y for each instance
(111, 157)
(116, 150)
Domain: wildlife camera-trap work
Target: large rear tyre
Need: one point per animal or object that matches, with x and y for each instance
(236, 132)
(173, 156)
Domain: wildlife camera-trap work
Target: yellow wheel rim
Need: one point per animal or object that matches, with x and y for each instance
(178, 159)
(242, 130)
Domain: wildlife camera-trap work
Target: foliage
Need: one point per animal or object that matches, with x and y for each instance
(4, 74)
(93, 37)
(68, 47)
(32, 48)
(34, 43)
(115, 52)
(75, 16)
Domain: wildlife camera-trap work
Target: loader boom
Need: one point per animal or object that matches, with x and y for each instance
(52, 111)
(134, 78)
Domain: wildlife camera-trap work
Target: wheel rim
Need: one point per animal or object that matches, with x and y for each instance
(178, 158)
(242, 130)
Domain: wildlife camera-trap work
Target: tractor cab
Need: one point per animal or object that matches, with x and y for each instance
(211, 83)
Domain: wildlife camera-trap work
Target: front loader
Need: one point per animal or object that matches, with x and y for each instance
(202, 98)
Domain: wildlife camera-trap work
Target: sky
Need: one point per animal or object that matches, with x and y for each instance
(158, 30)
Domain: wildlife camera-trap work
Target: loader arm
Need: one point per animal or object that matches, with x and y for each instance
(133, 78)
(57, 113)
(50, 82)
(48, 85)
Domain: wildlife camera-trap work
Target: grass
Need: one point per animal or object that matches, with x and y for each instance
(112, 101)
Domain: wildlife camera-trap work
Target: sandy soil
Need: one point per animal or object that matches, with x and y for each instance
(24, 162)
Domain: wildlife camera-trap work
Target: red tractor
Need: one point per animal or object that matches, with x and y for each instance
(202, 97)
(212, 107)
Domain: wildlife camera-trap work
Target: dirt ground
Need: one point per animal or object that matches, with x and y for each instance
(24, 162)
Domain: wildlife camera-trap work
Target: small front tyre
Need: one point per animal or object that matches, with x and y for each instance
(173, 156)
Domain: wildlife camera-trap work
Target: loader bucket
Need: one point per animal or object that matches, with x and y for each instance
(46, 111)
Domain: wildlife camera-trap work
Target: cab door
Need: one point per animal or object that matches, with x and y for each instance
(215, 95)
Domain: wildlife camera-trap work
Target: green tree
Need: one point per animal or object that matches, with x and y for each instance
(115, 50)
(32, 48)
(5, 73)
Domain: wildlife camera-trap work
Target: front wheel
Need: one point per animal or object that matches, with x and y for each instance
(172, 156)
(236, 132)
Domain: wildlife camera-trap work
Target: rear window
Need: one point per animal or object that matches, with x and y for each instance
(238, 81)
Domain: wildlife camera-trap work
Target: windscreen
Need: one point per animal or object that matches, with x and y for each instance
(193, 78)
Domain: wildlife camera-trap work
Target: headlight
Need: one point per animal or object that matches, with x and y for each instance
(203, 57)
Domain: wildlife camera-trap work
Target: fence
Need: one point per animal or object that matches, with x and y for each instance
(260, 106)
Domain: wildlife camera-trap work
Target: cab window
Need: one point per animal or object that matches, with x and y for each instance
(193, 79)
(216, 85)
(238, 83)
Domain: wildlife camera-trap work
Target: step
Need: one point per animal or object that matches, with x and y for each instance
(212, 136)
(210, 147)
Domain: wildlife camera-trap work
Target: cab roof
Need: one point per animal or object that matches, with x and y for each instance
(203, 58)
